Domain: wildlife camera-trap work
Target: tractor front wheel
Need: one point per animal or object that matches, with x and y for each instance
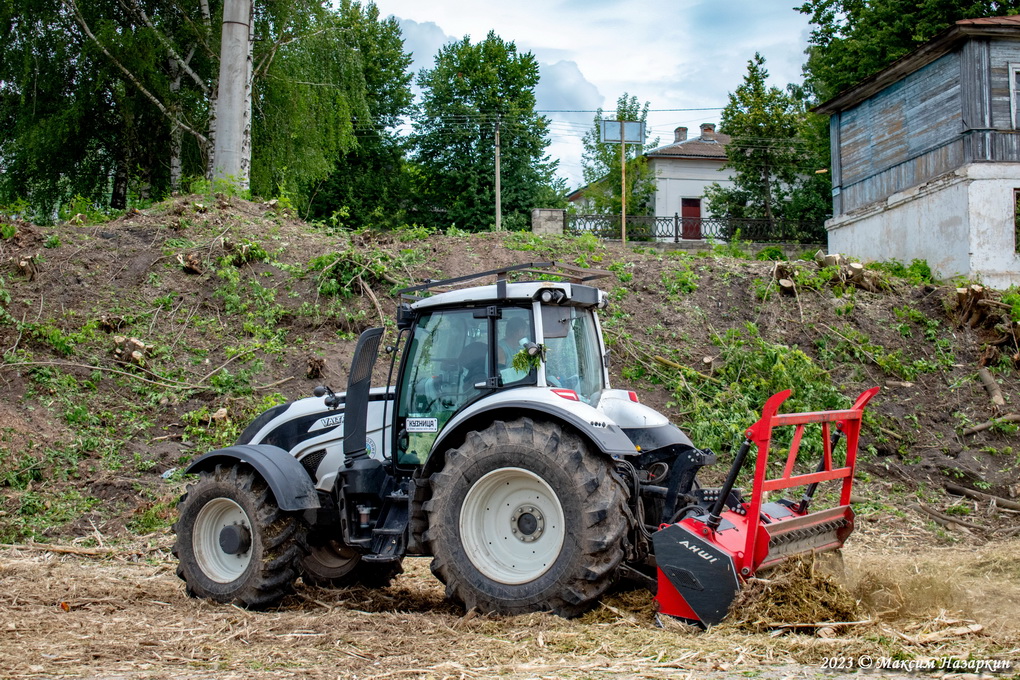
(524, 518)
(233, 543)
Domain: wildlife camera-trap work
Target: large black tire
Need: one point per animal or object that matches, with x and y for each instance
(330, 563)
(234, 544)
(524, 518)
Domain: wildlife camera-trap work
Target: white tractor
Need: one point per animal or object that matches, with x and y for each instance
(501, 451)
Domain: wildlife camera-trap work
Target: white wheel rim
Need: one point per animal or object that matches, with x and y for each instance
(216, 564)
(511, 525)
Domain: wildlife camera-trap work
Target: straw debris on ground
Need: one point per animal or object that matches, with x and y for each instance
(793, 595)
(125, 615)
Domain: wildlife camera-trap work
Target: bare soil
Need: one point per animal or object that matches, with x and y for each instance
(926, 590)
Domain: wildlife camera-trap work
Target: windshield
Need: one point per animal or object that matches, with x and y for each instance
(573, 354)
(444, 362)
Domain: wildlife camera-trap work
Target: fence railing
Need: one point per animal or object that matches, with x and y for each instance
(677, 228)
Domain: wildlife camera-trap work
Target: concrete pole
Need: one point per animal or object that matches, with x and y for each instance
(499, 197)
(623, 186)
(228, 152)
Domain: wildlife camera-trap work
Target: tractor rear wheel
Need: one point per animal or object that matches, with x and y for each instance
(524, 518)
(233, 543)
(333, 564)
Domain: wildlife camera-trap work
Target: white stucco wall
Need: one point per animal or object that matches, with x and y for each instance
(992, 228)
(961, 223)
(677, 178)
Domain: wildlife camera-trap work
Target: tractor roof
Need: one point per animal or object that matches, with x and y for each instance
(573, 294)
(571, 287)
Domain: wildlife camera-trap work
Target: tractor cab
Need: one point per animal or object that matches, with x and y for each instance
(466, 345)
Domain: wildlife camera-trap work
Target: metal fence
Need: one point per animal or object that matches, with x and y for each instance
(676, 228)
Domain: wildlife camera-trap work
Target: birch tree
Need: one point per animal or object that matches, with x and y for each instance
(139, 78)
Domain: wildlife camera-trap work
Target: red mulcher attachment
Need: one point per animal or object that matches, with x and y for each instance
(703, 559)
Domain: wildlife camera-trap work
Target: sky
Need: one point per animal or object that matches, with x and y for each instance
(674, 54)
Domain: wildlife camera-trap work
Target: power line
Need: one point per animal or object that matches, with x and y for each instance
(707, 108)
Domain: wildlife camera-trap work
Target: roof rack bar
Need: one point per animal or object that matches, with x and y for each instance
(577, 274)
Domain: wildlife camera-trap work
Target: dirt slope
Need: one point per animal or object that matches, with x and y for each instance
(237, 306)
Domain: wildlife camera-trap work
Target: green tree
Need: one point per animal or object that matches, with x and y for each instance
(601, 167)
(310, 91)
(771, 156)
(70, 124)
(370, 183)
(473, 91)
(107, 97)
(853, 39)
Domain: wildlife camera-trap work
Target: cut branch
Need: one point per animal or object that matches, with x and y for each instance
(680, 367)
(979, 496)
(991, 386)
(170, 48)
(1011, 418)
(946, 518)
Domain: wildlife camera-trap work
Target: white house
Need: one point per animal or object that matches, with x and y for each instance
(682, 171)
(685, 168)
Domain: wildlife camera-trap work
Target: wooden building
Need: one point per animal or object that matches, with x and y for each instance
(926, 156)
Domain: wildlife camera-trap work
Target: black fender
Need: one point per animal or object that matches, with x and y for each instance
(286, 477)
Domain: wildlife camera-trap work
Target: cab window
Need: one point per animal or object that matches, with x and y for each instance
(446, 358)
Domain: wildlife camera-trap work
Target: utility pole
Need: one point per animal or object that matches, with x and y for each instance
(623, 186)
(228, 152)
(635, 129)
(499, 198)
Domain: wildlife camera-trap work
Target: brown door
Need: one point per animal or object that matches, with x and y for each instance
(690, 217)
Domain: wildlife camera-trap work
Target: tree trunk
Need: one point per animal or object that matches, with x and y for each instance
(118, 197)
(233, 86)
(176, 133)
(246, 135)
(768, 198)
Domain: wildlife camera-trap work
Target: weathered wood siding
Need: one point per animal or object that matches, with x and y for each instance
(975, 84)
(904, 135)
(1002, 54)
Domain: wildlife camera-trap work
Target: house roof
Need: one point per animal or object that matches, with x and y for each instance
(943, 43)
(577, 194)
(708, 145)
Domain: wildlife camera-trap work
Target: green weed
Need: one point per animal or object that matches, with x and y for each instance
(342, 274)
(748, 370)
(29, 514)
(917, 272)
(680, 280)
(773, 253)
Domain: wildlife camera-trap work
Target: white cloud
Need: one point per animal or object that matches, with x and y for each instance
(675, 54)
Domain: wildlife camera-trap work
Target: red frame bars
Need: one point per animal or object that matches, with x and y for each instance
(847, 421)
